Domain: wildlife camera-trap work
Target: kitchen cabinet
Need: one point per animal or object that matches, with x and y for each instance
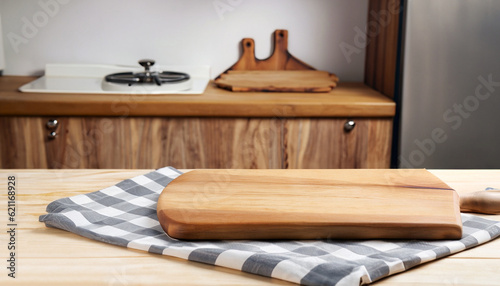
(193, 142)
(140, 142)
(218, 129)
(330, 143)
(349, 127)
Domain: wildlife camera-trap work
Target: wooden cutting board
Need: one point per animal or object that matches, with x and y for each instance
(309, 204)
(281, 72)
(282, 81)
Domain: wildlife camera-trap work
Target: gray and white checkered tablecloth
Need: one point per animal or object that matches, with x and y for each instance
(125, 215)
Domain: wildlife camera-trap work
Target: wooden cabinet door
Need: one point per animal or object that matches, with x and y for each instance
(189, 143)
(25, 143)
(323, 143)
(205, 142)
(22, 142)
(141, 142)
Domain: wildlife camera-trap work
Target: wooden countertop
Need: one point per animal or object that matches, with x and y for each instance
(347, 100)
(48, 256)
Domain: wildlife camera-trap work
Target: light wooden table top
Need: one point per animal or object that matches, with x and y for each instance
(48, 256)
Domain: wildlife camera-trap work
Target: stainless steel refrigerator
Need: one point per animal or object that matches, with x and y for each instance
(450, 89)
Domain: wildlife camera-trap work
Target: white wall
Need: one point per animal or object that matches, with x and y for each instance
(208, 32)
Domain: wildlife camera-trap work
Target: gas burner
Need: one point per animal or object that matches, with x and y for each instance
(148, 76)
(92, 79)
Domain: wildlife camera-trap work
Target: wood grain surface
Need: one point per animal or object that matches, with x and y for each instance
(309, 204)
(366, 146)
(347, 99)
(382, 45)
(194, 142)
(137, 142)
(59, 257)
(280, 58)
(280, 81)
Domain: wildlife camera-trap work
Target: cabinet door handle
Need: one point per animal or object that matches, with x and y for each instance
(349, 125)
(52, 124)
(52, 135)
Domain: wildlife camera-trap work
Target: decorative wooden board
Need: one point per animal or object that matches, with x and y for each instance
(283, 81)
(309, 204)
(279, 72)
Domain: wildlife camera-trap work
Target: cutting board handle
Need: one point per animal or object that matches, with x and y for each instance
(280, 58)
(486, 202)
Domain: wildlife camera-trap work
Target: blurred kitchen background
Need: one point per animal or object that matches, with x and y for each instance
(447, 81)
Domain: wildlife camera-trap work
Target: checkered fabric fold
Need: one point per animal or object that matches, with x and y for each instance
(125, 215)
